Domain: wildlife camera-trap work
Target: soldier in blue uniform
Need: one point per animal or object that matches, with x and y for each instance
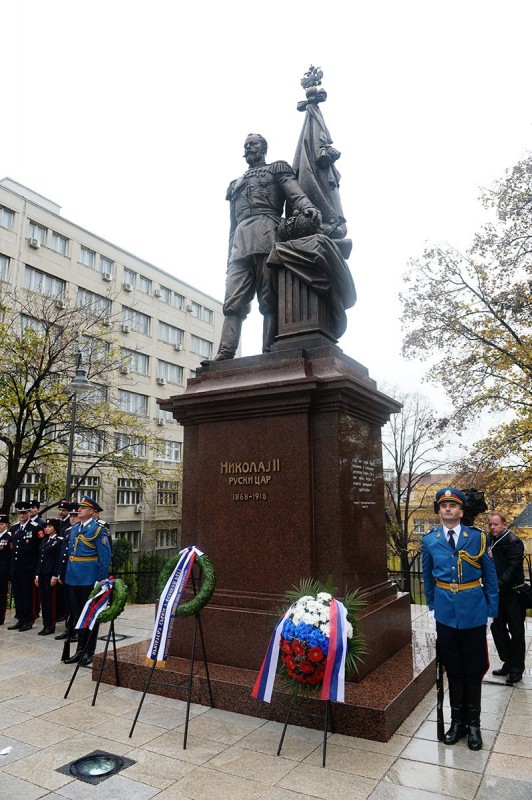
(6, 551)
(89, 556)
(61, 567)
(461, 589)
(26, 541)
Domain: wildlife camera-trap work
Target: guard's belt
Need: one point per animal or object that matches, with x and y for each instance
(457, 587)
(83, 558)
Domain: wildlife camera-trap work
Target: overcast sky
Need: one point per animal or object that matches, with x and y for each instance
(132, 116)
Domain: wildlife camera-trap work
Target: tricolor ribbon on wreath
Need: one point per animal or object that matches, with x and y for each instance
(95, 605)
(333, 685)
(168, 603)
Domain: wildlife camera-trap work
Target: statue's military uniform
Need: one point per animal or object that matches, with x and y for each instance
(257, 200)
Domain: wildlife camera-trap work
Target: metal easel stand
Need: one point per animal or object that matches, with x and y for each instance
(111, 634)
(188, 682)
(326, 717)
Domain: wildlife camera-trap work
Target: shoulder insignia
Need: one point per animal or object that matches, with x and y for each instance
(437, 535)
(279, 167)
(465, 534)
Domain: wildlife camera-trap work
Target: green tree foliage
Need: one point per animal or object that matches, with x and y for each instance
(40, 340)
(469, 314)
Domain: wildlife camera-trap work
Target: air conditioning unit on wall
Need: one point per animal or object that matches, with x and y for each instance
(35, 243)
(106, 276)
(127, 287)
(138, 509)
(123, 369)
(161, 381)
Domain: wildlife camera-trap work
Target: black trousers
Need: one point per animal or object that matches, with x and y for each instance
(4, 586)
(77, 597)
(464, 653)
(508, 632)
(23, 593)
(48, 608)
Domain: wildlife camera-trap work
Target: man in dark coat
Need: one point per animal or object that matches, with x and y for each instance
(508, 629)
(26, 541)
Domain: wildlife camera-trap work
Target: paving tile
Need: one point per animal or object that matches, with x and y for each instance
(513, 745)
(277, 793)
(31, 704)
(219, 727)
(494, 788)
(296, 745)
(457, 756)
(327, 784)
(206, 784)
(14, 789)
(120, 728)
(155, 770)
(13, 718)
(112, 789)
(510, 766)
(389, 791)
(40, 769)
(346, 759)
(433, 778)
(393, 747)
(263, 767)
(18, 750)
(518, 724)
(36, 731)
(81, 716)
(171, 744)
(158, 715)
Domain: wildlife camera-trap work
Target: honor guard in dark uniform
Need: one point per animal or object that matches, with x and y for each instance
(61, 567)
(461, 588)
(89, 556)
(35, 513)
(26, 541)
(45, 577)
(6, 553)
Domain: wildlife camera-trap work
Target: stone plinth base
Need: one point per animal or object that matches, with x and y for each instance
(374, 707)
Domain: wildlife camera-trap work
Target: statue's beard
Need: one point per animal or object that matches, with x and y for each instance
(253, 158)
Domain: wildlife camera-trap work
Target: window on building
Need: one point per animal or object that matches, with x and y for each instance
(195, 309)
(144, 284)
(135, 361)
(172, 373)
(96, 395)
(59, 244)
(200, 346)
(132, 402)
(92, 348)
(6, 217)
(93, 303)
(192, 373)
(166, 538)
(128, 492)
(136, 320)
(41, 282)
(130, 278)
(30, 322)
(86, 441)
(32, 487)
(167, 493)
(419, 526)
(166, 415)
(201, 312)
(87, 257)
(106, 265)
(179, 301)
(133, 537)
(36, 231)
(170, 334)
(208, 315)
(4, 268)
(166, 294)
(128, 444)
(170, 451)
(88, 484)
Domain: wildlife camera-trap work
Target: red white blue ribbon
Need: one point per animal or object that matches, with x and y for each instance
(333, 687)
(263, 687)
(168, 603)
(95, 605)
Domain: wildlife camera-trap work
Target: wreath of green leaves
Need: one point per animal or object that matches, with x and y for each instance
(206, 590)
(118, 601)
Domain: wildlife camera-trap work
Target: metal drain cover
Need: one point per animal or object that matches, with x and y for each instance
(96, 767)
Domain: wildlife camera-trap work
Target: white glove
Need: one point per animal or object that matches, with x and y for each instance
(432, 620)
(490, 620)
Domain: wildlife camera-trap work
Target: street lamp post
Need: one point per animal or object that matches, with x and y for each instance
(79, 386)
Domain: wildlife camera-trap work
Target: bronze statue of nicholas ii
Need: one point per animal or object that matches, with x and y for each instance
(256, 205)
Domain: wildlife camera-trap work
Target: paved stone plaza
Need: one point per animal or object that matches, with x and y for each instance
(233, 757)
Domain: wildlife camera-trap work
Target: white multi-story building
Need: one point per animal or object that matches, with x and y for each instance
(165, 328)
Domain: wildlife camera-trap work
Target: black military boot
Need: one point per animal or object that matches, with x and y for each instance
(81, 644)
(458, 726)
(474, 738)
(269, 331)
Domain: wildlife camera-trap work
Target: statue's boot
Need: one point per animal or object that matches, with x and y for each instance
(269, 331)
(230, 337)
(474, 737)
(458, 726)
